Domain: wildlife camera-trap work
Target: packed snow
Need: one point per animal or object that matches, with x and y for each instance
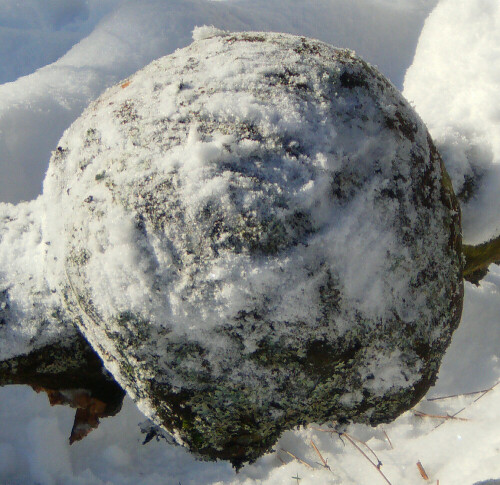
(457, 100)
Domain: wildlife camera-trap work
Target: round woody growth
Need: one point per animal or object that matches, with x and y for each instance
(257, 233)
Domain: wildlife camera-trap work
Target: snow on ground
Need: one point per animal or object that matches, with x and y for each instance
(454, 83)
(35, 33)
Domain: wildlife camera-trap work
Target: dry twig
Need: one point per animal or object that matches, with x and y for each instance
(484, 391)
(379, 462)
(482, 394)
(422, 471)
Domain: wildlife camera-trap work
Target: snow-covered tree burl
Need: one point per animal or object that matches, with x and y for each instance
(253, 233)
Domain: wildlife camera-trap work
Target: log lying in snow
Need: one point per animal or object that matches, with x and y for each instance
(253, 233)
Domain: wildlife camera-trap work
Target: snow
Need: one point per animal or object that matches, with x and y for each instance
(456, 98)
(25, 298)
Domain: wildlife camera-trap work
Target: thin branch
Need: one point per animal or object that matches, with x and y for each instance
(377, 466)
(486, 391)
(379, 463)
(475, 400)
(451, 396)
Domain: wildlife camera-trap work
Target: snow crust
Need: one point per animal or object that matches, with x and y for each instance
(205, 32)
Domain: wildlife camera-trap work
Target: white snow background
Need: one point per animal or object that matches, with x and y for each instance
(57, 55)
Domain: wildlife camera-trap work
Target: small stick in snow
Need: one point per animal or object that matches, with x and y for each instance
(298, 459)
(325, 463)
(377, 466)
(484, 391)
(422, 471)
(388, 439)
(420, 414)
(379, 463)
(453, 416)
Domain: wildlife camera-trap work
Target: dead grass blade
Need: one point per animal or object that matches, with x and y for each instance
(352, 440)
(297, 458)
(420, 414)
(325, 463)
(451, 396)
(388, 439)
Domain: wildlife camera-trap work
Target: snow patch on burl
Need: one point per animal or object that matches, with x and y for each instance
(252, 228)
